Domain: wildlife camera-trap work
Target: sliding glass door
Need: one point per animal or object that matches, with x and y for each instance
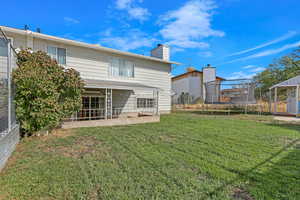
(93, 107)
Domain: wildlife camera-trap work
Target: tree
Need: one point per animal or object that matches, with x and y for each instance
(280, 70)
(45, 91)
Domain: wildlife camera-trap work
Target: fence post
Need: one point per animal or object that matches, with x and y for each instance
(275, 101)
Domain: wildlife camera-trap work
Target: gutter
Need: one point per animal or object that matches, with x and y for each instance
(31, 34)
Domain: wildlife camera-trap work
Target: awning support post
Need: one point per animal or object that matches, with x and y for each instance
(270, 100)
(275, 101)
(156, 92)
(108, 102)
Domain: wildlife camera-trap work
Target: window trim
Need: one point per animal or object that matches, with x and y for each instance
(56, 52)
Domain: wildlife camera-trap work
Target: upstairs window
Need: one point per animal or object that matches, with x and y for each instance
(59, 54)
(121, 68)
(3, 47)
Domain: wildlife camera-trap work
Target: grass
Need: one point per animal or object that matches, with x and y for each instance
(185, 156)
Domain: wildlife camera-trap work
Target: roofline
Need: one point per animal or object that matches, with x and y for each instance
(82, 44)
(175, 77)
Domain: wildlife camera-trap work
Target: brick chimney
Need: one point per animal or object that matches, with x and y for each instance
(161, 51)
(209, 73)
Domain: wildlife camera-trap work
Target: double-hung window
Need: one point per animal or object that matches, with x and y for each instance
(3, 47)
(121, 68)
(59, 54)
(145, 103)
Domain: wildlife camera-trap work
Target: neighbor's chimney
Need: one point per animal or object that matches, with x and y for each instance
(190, 69)
(161, 51)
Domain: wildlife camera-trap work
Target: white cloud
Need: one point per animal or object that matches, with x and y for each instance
(282, 38)
(134, 11)
(133, 39)
(70, 20)
(257, 69)
(249, 66)
(241, 75)
(176, 49)
(206, 54)
(123, 4)
(267, 52)
(186, 26)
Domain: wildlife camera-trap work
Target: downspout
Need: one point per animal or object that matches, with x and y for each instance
(29, 39)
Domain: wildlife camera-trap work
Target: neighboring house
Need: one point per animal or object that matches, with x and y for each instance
(118, 83)
(192, 84)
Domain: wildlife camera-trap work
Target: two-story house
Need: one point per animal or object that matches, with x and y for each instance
(117, 83)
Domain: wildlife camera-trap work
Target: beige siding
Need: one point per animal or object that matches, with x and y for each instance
(124, 99)
(93, 64)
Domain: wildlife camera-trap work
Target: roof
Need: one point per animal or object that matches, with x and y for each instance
(93, 83)
(191, 73)
(82, 44)
(292, 82)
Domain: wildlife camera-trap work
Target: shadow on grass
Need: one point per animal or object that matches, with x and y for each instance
(291, 126)
(281, 182)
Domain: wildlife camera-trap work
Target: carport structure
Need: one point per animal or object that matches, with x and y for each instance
(292, 87)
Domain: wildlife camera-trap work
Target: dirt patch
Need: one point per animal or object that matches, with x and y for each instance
(241, 194)
(56, 133)
(82, 146)
(94, 193)
(167, 138)
(3, 196)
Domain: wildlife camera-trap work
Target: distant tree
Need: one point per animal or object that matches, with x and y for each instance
(280, 70)
(45, 91)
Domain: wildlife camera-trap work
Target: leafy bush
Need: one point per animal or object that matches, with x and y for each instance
(45, 91)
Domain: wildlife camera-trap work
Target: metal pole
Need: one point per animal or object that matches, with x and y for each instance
(297, 101)
(275, 101)
(260, 99)
(9, 84)
(111, 108)
(270, 100)
(247, 99)
(105, 103)
(157, 102)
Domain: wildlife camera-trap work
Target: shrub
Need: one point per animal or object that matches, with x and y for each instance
(45, 91)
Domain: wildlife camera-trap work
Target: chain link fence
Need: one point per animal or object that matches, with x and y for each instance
(237, 91)
(231, 96)
(9, 131)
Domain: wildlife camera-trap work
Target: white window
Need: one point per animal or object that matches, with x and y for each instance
(3, 47)
(145, 103)
(121, 68)
(59, 54)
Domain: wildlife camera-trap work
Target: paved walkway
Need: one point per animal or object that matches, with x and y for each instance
(287, 119)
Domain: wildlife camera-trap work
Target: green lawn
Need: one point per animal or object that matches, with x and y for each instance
(185, 156)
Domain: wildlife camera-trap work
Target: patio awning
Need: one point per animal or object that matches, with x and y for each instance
(120, 85)
(293, 82)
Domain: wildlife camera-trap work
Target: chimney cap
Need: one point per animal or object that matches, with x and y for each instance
(26, 27)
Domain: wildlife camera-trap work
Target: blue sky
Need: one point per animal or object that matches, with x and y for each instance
(239, 37)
